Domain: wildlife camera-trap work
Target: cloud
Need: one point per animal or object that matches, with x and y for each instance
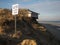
(25, 0)
(47, 11)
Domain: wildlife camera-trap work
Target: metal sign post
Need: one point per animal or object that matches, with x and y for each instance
(15, 23)
(15, 8)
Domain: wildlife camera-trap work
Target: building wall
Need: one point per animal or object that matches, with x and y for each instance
(34, 15)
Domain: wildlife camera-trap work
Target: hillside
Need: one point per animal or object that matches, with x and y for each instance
(28, 32)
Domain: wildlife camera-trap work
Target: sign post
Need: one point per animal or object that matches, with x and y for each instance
(15, 9)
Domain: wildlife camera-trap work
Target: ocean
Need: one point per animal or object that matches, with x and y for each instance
(57, 23)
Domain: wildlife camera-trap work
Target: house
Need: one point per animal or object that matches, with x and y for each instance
(33, 14)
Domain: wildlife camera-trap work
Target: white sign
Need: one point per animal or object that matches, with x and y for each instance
(15, 9)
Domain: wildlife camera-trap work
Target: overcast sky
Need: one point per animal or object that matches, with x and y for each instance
(49, 9)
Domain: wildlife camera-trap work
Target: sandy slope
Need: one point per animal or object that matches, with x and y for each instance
(53, 29)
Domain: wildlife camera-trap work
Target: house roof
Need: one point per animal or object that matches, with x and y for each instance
(33, 12)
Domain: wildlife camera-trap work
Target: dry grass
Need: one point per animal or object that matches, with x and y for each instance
(6, 14)
(1, 30)
(42, 28)
(28, 42)
(17, 35)
(36, 26)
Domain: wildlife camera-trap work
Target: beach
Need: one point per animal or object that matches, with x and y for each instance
(53, 28)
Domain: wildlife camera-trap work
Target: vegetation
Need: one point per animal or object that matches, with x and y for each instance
(28, 32)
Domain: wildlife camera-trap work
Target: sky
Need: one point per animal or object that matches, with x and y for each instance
(49, 10)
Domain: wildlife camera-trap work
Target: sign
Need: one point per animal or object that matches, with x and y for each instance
(15, 9)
